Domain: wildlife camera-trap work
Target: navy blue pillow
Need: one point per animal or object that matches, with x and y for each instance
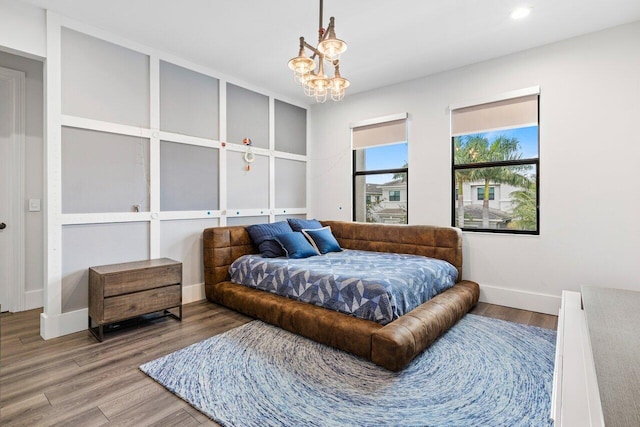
(323, 240)
(263, 236)
(296, 245)
(298, 224)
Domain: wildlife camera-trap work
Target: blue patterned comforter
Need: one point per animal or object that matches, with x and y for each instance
(374, 286)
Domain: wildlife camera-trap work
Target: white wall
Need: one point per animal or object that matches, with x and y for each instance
(23, 28)
(34, 144)
(589, 151)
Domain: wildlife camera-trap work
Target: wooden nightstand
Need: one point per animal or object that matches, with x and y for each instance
(119, 292)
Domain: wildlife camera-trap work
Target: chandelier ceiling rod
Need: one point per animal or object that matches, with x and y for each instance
(320, 29)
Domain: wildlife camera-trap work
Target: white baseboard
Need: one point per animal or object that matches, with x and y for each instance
(63, 324)
(74, 321)
(193, 293)
(524, 300)
(33, 299)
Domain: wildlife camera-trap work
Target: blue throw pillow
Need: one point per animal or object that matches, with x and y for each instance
(323, 240)
(298, 224)
(263, 236)
(295, 245)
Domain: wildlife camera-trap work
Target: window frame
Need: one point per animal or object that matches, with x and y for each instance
(534, 162)
(394, 195)
(354, 171)
(492, 192)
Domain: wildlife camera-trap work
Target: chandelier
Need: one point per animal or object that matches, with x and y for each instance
(316, 83)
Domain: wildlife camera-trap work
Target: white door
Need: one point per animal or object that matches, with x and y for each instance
(11, 190)
(6, 129)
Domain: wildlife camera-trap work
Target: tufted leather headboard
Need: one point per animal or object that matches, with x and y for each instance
(426, 240)
(223, 245)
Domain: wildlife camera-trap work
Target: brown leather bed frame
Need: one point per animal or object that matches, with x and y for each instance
(391, 346)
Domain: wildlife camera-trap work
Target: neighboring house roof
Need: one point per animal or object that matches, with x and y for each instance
(373, 189)
(475, 212)
(394, 182)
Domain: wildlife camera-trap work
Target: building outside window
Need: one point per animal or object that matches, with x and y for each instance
(495, 149)
(380, 171)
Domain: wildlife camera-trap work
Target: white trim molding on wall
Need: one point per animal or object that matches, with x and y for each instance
(55, 322)
(16, 218)
(523, 300)
(193, 293)
(33, 299)
(52, 326)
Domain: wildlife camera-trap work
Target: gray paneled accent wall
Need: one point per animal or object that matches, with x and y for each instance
(247, 189)
(188, 102)
(247, 116)
(290, 128)
(247, 220)
(139, 127)
(182, 240)
(291, 183)
(103, 172)
(188, 177)
(284, 217)
(97, 244)
(104, 81)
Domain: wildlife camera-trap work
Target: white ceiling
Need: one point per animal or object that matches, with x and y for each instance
(389, 41)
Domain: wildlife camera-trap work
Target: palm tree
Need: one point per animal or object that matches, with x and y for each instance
(478, 149)
(462, 154)
(525, 211)
(501, 149)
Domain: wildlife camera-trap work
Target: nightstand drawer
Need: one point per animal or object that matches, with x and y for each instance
(140, 280)
(131, 305)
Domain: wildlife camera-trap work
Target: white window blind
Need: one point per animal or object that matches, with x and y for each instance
(380, 134)
(505, 114)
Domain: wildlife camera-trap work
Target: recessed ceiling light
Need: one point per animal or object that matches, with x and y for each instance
(520, 13)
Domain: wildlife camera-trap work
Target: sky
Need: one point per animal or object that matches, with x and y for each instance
(396, 155)
(385, 157)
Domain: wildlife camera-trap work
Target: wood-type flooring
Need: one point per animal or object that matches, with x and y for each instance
(76, 381)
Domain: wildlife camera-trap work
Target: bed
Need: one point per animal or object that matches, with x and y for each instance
(391, 344)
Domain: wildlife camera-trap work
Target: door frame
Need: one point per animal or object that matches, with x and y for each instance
(16, 216)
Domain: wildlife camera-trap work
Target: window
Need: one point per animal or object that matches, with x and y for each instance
(496, 145)
(380, 170)
(492, 193)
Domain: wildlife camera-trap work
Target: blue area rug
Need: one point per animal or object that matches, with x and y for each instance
(482, 372)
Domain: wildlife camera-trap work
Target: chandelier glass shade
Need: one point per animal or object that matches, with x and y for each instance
(316, 83)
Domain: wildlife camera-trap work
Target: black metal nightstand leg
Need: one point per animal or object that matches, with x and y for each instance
(100, 334)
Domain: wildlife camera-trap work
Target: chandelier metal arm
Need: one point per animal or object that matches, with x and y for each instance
(314, 50)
